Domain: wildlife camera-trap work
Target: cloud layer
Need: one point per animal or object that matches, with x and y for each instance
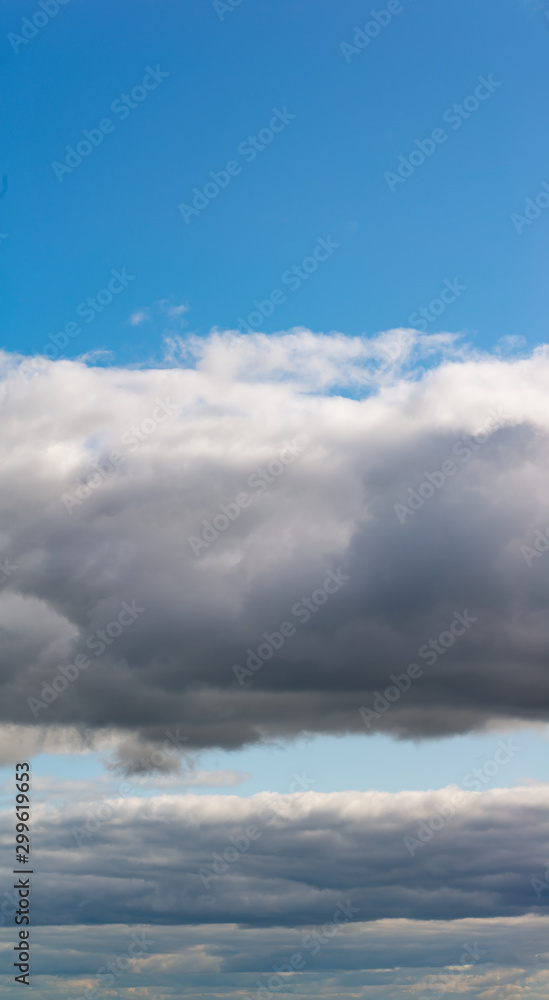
(275, 860)
(385, 959)
(422, 491)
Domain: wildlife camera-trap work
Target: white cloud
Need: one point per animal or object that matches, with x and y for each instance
(287, 860)
(333, 509)
(140, 316)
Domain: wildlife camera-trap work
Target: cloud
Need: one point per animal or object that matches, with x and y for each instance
(377, 422)
(162, 308)
(275, 860)
(171, 310)
(21, 742)
(384, 959)
(139, 317)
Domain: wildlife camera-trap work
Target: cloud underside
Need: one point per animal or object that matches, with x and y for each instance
(458, 915)
(385, 959)
(353, 500)
(275, 860)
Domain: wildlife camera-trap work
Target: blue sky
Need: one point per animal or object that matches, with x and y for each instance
(333, 764)
(293, 168)
(323, 175)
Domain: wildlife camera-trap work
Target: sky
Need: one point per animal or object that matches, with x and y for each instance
(273, 527)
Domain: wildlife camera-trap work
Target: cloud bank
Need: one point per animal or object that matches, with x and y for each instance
(276, 860)
(411, 470)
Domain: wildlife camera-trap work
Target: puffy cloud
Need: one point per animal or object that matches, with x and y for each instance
(109, 479)
(270, 859)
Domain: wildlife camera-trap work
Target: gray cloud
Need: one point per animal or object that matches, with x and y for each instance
(290, 859)
(390, 956)
(126, 539)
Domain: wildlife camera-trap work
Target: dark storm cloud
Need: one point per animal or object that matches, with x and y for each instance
(423, 500)
(291, 860)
